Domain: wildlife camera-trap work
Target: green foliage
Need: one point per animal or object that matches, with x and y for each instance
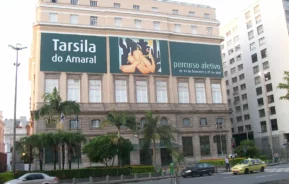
(252, 150)
(285, 86)
(142, 169)
(221, 162)
(6, 176)
(103, 149)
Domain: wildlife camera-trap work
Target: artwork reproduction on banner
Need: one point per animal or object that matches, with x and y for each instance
(140, 56)
(73, 53)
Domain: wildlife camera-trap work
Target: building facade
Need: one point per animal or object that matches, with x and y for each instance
(158, 56)
(254, 59)
(2, 150)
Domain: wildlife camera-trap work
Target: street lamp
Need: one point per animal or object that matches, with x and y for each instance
(17, 48)
(269, 126)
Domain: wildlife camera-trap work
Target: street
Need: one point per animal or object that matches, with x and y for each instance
(274, 173)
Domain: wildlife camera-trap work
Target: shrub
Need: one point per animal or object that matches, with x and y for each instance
(142, 169)
(6, 176)
(221, 162)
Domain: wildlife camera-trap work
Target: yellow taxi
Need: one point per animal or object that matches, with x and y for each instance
(248, 166)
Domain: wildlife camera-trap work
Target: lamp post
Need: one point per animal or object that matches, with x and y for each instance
(269, 126)
(17, 48)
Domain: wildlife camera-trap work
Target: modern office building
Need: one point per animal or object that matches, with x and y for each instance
(136, 56)
(255, 54)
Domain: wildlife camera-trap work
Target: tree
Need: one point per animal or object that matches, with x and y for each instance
(103, 149)
(152, 131)
(73, 140)
(26, 146)
(53, 140)
(120, 119)
(54, 107)
(250, 147)
(285, 86)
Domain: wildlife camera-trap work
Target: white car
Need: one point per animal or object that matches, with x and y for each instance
(34, 178)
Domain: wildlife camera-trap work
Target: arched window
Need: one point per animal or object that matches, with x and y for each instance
(186, 122)
(142, 122)
(95, 123)
(164, 121)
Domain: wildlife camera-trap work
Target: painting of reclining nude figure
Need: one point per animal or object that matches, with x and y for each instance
(139, 56)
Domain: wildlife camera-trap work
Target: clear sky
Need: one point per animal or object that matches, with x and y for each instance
(17, 17)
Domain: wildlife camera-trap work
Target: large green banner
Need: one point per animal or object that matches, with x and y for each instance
(138, 56)
(73, 53)
(189, 59)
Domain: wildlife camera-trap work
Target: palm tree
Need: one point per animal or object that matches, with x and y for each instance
(285, 86)
(26, 145)
(54, 107)
(152, 132)
(53, 141)
(73, 140)
(119, 120)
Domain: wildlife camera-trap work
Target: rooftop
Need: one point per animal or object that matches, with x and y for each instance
(184, 3)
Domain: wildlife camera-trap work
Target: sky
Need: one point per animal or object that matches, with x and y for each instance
(17, 17)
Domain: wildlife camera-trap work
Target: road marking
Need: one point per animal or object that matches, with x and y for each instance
(229, 177)
(266, 176)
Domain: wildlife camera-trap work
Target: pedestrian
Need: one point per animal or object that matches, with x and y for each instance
(172, 168)
(227, 164)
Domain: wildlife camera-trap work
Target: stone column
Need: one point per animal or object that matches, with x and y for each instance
(208, 91)
(214, 149)
(63, 86)
(196, 146)
(152, 92)
(131, 89)
(192, 90)
(84, 88)
(224, 91)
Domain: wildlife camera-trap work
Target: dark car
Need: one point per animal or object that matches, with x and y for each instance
(198, 170)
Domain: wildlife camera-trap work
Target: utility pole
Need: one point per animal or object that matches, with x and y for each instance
(17, 48)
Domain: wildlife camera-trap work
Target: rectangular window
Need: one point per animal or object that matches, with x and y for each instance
(183, 88)
(95, 91)
(262, 41)
(95, 123)
(120, 91)
(53, 17)
(272, 110)
(226, 73)
(175, 12)
(232, 61)
(155, 9)
(267, 76)
(245, 107)
(50, 84)
(229, 101)
(188, 150)
(93, 3)
(274, 124)
(228, 92)
(205, 145)
(239, 118)
(74, 124)
(234, 80)
(235, 89)
(73, 19)
(207, 16)
(256, 69)
(233, 70)
(118, 22)
(261, 113)
(237, 48)
(260, 29)
(240, 67)
(263, 126)
(137, 23)
(231, 51)
(259, 90)
(53, 1)
(216, 92)
(244, 97)
(218, 142)
(178, 28)
(192, 13)
(240, 129)
(209, 31)
(247, 15)
(203, 122)
(260, 101)
(162, 92)
(73, 1)
(248, 127)
(265, 65)
(269, 88)
(135, 7)
(243, 86)
(142, 91)
(239, 57)
(254, 58)
(241, 77)
(194, 29)
(227, 83)
(249, 24)
(73, 90)
(236, 100)
(258, 19)
(238, 109)
(156, 25)
(116, 5)
(257, 9)
(264, 53)
(251, 35)
(93, 20)
(252, 46)
(257, 80)
(270, 99)
(201, 93)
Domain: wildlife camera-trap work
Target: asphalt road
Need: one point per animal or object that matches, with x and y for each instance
(271, 174)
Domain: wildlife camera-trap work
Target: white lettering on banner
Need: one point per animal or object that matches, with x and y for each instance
(209, 66)
(73, 59)
(82, 46)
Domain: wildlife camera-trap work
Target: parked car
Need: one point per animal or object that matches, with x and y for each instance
(198, 169)
(249, 166)
(35, 178)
